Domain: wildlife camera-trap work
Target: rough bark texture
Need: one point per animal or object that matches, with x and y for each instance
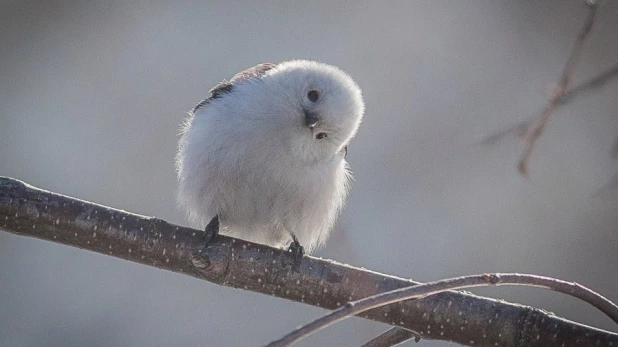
(451, 316)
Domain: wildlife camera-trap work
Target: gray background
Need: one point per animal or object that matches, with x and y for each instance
(92, 95)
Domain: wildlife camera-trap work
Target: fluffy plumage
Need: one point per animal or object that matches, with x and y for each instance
(266, 153)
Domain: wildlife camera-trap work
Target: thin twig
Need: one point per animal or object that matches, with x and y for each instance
(520, 129)
(393, 337)
(584, 34)
(563, 85)
(614, 150)
(423, 290)
(591, 84)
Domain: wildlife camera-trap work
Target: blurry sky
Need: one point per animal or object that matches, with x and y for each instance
(92, 95)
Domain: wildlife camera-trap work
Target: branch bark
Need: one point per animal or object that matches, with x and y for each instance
(423, 290)
(450, 316)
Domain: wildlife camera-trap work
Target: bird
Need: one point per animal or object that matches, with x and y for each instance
(262, 158)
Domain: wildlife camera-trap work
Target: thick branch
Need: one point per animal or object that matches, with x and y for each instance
(451, 316)
(433, 288)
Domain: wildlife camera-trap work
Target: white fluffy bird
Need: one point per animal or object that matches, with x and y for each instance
(264, 154)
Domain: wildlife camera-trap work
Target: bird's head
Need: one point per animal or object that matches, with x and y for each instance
(309, 109)
(320, 106)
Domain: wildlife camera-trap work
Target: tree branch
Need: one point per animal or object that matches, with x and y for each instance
(520, 129)
(591, 84)
(432, 288)
(451, 316)
(392, 337)
(563, 85)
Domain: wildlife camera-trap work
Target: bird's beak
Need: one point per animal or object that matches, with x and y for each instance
(311, 119)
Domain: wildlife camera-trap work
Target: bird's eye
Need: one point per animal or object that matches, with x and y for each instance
(320, 136)
(313, 95)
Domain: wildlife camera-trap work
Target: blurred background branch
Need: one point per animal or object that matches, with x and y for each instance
(535, 132)
(523, 128)
(532, 130)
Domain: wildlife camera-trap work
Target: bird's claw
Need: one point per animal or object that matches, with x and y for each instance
(211, 231)
(297, 250)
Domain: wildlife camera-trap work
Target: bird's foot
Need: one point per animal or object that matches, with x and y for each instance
(297, 250)
(211, 231)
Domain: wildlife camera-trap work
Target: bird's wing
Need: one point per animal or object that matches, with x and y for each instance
(252, 72)
(225, 86)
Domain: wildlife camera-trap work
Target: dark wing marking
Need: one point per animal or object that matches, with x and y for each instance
(225, 86)
(345, 150)
(221, 88)
(252, 72)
